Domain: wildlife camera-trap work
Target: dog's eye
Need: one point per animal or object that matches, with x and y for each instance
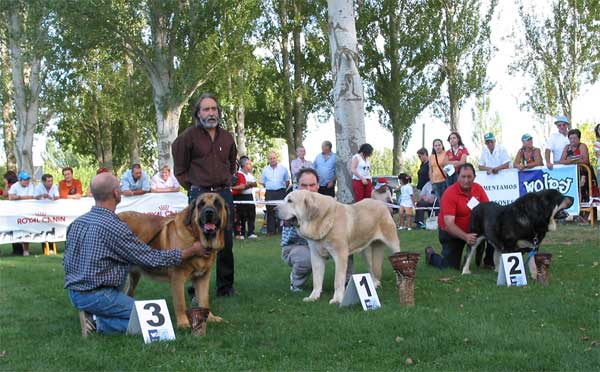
(289, 200)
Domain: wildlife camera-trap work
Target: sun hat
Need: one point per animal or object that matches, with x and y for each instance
(561, 119)
(489, 137)
(23, 175)
(381, 182)
(526, 137)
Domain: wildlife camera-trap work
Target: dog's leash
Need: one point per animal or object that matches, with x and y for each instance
(533, 250)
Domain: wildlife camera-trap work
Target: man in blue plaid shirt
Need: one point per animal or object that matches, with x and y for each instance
(294, 249)
(99, 250)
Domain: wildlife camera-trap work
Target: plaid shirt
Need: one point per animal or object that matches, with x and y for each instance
(289, 236)
(100, 248)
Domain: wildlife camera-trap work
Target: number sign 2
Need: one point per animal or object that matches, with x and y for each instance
(151, 318)
(361, 289)
(512, 270)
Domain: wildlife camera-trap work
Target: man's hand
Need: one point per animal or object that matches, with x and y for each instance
(471, 238)
(549, 165)
(195, 249)
(330, 184)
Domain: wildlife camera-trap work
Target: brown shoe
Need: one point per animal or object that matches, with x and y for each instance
(87, 323)
(428, 253)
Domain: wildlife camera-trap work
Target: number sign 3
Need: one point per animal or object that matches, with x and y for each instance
(152, 320)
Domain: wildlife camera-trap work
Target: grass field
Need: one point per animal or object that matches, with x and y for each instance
(466, 323)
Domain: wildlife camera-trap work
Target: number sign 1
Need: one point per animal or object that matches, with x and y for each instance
(512, 270)
(151, 319)
(361, 289)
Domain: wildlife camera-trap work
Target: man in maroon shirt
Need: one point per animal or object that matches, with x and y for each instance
(454, 218)
(204, 158)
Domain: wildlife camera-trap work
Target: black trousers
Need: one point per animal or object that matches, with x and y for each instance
(225, 263)
(272, 220)
(245, 215)
(327, 191)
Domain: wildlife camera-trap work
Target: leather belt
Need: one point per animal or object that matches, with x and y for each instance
(210, 188)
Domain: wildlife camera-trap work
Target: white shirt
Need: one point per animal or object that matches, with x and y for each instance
(17, 189)
(556, 143)
(249, 178)
(159, 183)
(363, 168)
(41, 190)
(406, 192)
(492, 160)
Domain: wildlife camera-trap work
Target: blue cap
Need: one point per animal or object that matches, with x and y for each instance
(526, 137)
(561, 119)
(489, 137)
(23, 175)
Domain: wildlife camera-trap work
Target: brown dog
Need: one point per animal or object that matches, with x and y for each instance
(204, 220)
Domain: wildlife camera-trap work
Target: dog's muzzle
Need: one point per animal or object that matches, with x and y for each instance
(209, 221)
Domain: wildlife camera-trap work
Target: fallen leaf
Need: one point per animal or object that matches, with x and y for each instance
(595, 343)
(2, 353)
(408, 361)
(457, 290)
(585, 338)
(444, 280)
(582, 329)
(399, 339)
(588, 349)
(595, 263)
(466, 340)
(461, 306)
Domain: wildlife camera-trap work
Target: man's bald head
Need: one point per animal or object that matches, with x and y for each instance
(102, 186)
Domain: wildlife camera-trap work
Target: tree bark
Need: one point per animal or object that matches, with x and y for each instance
(134, 143)
(347, 92)
(26, 93)
(9, 135)
(285, 68)
(240, 127)
(299, 120)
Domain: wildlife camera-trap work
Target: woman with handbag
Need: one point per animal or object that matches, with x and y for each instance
(437, 160)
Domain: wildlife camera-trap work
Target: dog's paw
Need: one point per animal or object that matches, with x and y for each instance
(214, 318)
(376, 283)
(310, 299)
(335, 301)
(466, 272)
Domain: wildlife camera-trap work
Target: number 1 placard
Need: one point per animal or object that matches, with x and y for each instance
(361, 289)
(512, 270)
(151, 318)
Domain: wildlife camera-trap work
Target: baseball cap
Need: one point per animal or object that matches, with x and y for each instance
(381, 182)
(526, 137)
(488, 137)
(561, 119)
(23, 175)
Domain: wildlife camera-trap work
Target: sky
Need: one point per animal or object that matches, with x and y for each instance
(505, 99)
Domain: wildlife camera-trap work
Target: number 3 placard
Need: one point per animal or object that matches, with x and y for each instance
(512, 270)
(151, 319)
(361, 289)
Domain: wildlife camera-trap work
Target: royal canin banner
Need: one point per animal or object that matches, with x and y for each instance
(47, 221)
(508, 185)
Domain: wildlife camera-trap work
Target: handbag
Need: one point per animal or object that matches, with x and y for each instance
(431, 223)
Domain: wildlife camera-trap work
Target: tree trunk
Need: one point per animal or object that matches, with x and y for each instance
(285, 60)
(9, 135)
(26, 93)
(454, 108)
(240, 127)
(299, 121)
(134, 143)
(347, 92)
(167, 122)
(398, 138)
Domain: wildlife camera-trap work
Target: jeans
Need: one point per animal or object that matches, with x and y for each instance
(438, 189)
(225, 263)
(111, 307)
(452, 248)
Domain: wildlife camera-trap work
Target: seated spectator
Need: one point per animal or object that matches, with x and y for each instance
(382, 192)
(406, 202)
(528, 156)
(135, 181)
(22, 190)
(165, 181)
(46, 189)
(494, 157)
(69, 188)
(426, 200)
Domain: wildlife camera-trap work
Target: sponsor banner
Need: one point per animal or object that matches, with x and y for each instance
(508, 185)
(47, 221)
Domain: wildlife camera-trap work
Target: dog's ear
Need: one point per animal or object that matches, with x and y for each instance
(320, 216)
(224, 212)
(189, 217)
(312, 210)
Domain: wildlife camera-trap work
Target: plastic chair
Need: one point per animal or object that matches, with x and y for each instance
(586, 206)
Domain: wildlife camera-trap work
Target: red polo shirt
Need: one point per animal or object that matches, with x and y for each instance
(454, 203)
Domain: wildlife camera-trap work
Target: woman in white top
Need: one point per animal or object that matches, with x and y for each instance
(361, 173)
(406, 201)
(164, 181)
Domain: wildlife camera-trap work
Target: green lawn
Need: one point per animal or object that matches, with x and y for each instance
(467, 323)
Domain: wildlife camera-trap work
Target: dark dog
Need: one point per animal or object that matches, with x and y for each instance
(519, 226)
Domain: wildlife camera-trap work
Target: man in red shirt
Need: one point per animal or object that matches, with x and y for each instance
(454, 218)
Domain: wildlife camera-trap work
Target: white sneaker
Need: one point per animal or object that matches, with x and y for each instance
(408, 229)
(253, 236)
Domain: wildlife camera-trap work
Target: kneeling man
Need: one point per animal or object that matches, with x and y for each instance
(98, 252)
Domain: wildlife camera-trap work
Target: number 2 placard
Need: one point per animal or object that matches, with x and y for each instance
(512, 270)
(361, 289)
(151, 318)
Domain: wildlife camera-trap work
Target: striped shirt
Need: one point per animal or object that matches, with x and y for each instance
(100, 248)
(289, 236)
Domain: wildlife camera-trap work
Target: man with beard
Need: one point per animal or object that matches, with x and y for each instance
(204, 157)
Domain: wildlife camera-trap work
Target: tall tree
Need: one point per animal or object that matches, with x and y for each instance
(560, 53)
(27, 29)
(484, 121)
(7, 119)
(466, 50)
(402, 73)
(347, 91)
